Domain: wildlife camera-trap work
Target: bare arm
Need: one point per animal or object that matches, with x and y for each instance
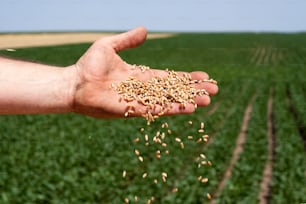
(28, 88)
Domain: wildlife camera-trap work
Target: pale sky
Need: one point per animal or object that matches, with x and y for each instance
(155, 15)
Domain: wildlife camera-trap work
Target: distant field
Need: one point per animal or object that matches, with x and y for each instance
(257, 128)
(25, 40)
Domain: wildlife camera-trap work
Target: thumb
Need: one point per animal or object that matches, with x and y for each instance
(130, 39)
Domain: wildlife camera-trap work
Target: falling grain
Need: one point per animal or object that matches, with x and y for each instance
(190, 137)
(204, 180)
(174, 190)
(137, 152)
(158, 96)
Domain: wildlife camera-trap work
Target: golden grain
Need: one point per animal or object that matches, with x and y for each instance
(178, 139)
(137, 152)
(202, 125)
(163, 136)
(174, 190)
(204, 180)
(203, 163)
(200, 130)
(158, 95)
(199, 140)
(160, 92)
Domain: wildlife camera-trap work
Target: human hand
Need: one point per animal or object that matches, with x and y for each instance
(101, 66)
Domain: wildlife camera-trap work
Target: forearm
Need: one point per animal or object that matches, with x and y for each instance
(30, 88)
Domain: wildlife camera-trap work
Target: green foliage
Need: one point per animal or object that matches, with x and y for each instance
(75, 159)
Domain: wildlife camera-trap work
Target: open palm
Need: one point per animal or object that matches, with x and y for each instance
(101, 66)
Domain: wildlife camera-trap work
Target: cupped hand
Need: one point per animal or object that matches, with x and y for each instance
(101, 66)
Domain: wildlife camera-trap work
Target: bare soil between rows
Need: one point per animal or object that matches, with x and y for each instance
(238, 149)
(265, 186)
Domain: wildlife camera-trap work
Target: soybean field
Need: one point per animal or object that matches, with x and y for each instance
(256, 126)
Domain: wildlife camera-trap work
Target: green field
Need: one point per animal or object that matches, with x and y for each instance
(76, 159)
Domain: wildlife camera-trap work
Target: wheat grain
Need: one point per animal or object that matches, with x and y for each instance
(162, 92)
(158, 96)
(174, 190)
(204, 180)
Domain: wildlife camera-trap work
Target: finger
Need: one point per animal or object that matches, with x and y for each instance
(211, 88)
(202, 100)
(130, 39)
(197, 75)
(152, 73)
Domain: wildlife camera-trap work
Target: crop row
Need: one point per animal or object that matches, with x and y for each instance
(290, 163)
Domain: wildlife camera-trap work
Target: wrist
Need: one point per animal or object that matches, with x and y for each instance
(72, 80)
